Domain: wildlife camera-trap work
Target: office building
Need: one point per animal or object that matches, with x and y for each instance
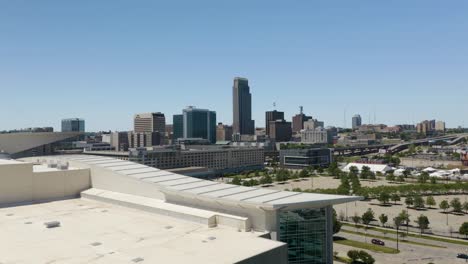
(119, 141)
(242, 108)
(272, 116)
(440, 126)
(149, 122)
(316, 136)
(280, 130)
(425, 127)
(313, 124)
(356, 121)
(298, 121)
(302, 158)
(199, 123)
(216, 158)
(178, 127)
(183, 219)
(73, 125)
(148, 139)
(223, 132)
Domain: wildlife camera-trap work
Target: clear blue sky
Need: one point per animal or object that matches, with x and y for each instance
(106, 60)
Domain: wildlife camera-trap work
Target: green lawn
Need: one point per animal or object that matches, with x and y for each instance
(362, 245)
(439, 239)
(390, 239)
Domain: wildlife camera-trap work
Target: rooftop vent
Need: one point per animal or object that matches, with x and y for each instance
(169, 227)
(211, 238)
(95, 244)
(52, 224)
(136, 260)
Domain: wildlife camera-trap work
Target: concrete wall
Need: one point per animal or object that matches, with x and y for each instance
(16, 183)
(278, 255)
(20, 185)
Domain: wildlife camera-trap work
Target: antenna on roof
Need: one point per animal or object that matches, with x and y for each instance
(274, 105)
(301, 108)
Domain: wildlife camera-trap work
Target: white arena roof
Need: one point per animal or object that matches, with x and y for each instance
(169, 182)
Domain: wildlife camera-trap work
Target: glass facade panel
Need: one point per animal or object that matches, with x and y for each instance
(305, 232)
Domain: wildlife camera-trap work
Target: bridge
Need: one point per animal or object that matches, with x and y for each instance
(395, 148)
(450, 139)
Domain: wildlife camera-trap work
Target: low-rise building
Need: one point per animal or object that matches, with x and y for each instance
(316, 136)
(182, 219)
(220, 159)
(308, 157)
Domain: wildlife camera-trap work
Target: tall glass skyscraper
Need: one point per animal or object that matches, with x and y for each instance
(242, 108)
(73, 125)
(178, 127)
(199, 123)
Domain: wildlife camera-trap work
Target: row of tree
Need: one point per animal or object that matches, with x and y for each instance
(347, 188)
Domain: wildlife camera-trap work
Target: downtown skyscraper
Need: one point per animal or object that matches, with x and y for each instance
(242, 108)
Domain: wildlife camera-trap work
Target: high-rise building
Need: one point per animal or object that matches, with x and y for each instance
(223, 132)
(272, 116)
(242, 108)
(150, 122)
(313, 124)
(178, 127)
(298, 121)
(280, 130)
(199, 123)
(73, 125)
(357, 121)
(440, 126)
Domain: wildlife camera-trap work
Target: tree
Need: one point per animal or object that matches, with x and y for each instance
(353, 170)
(423, 177)
(465, 207)
(356, 219)
(418, 202)
(303, 173)
(423, 223)
(266, 179)
(383, 218)
(236, 180)
(464, 229)
(444, 205)
(384, 197)
(355, 183)
(397, 221)
(433, 180)
(430, 201)
(395, 197)
(353, 255)
(365, 172)
(409, 201)
(401, 178)
(333, 169)
(406, 219)
(390, 177)
(336, 224)
(456, 205)
(367, 217)
(357, 256)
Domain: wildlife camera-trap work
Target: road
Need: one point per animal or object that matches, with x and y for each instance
(409, 254)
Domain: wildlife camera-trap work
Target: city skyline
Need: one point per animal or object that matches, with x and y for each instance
(329, 59)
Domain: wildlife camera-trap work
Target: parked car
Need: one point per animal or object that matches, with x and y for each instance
(378, 242)
(462, 256)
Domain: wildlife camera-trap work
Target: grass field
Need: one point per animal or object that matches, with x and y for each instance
(362, 245)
